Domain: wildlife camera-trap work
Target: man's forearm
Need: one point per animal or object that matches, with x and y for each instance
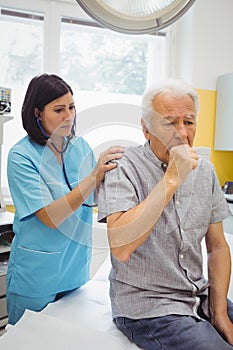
(128, 230)
(219, 271)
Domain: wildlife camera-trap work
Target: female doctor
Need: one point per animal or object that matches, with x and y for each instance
(52, 175)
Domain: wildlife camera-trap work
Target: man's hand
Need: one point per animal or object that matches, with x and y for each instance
(183, 159)
(225, 328)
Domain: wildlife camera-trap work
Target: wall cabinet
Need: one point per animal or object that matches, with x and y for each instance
(224, 113)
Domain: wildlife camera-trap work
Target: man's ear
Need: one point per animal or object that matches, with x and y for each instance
(145, 130)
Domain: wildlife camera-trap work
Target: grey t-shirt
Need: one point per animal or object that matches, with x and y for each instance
(164, 275)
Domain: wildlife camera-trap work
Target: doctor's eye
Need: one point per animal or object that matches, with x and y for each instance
(58, 110)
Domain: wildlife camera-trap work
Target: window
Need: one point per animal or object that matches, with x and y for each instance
(21, 45)
(96, 59)
(21, 58)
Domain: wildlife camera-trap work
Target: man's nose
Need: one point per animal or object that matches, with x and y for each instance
(181, 131)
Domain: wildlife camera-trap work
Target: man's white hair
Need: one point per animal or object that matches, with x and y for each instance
(175, 88)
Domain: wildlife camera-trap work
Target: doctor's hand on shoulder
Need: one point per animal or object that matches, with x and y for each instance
(106, 162)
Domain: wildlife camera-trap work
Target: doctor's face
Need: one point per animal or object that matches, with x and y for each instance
(57, 116)
(174, 123)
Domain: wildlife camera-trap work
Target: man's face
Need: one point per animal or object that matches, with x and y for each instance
(174, 123)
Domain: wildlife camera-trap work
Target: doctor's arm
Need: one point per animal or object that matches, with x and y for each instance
(59, 210)
(219, 270)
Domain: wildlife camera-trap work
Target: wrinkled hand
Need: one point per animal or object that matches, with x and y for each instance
(225, 328)
(182, 160)
(103, 164)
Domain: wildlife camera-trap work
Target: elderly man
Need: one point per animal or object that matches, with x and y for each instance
(159, 203)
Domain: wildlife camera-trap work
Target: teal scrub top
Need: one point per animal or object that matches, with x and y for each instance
(45, 261)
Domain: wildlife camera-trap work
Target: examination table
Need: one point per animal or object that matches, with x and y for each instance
(79, 321)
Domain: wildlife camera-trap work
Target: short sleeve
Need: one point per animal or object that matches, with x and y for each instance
(220, 208)
(28, 190)
(116, 194)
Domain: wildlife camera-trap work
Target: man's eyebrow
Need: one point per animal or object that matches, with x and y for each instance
(191, 117)
(172, 117)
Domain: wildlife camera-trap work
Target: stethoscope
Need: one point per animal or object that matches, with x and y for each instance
(61, 152)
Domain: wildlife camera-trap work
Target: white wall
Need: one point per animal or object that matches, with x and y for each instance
(202, 47)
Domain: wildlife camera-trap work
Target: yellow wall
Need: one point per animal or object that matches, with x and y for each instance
(222, 160)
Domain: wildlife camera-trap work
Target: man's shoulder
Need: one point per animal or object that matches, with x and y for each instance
(132, 153)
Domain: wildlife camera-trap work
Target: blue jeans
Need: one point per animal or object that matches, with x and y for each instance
(174, 332)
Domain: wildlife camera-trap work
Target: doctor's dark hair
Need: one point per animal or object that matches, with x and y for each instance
(41, 90)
